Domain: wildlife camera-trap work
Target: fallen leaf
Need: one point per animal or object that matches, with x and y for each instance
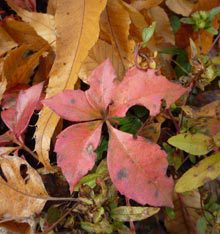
(182, 7)
(75, 148)
(98, 54)
(204, 171)
(51, 7)
(23, 33)
(77, 31)
(115, 22)
(146, 89)
(132, 213)
(7, 150)
(145, 4)
(19, 194)
(19, 65)
(26, 4)
(43, 24)
(195, 144)
(187, 208)
(15, 228)
(135, 176)
(17, 119)
(6, 42)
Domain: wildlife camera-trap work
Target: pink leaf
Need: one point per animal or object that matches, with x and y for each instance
(137, 168)
(75, 149)
(101, 86)
(17, 118)
(72, 105)
(144, 88)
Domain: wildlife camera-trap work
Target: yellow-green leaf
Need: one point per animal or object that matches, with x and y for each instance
(195, 144)
(206, 170)
(132, 213)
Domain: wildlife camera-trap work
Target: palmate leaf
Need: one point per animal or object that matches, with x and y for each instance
(137, 167)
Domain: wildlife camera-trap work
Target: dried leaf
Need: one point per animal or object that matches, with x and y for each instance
(204, 171)
(77, 30)
(187, 208)
(20, 64)
(43, 24)
(135, 176)
(132, 213)
(7, 150)
(98, 54)
(26, 4)
(182, 7)
(75, 148)
(144, 88)
(15, 228)
(145, 4)
(6, 42)
(115, 22)
(195, 144)
(16, 192)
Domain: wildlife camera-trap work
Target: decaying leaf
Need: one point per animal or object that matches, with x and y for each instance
(43, 24)
(135, 176)
(187, 208)
(100, 52)
(206, 170)
(132, 213)
(19, 193)
(145, 4)
(115, 23)
(183, 7)
(75, 148)
(195, 144)
(77, 31)
(146, 89)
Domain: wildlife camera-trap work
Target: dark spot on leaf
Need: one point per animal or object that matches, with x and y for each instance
(72, 101)
(156, 194)
(90, 149)
(23, 172)
(64, 64)
(122, 173)
(195, 175)
(3, 175)
(67, 13)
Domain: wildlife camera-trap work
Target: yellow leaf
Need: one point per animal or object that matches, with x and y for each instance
(115, 23)
(43, 24)
(100, 52)
(19, 65)
(16, 192)
(77, 31)
(182, 7)
(186, 208)
(6, 42)
(206, 170)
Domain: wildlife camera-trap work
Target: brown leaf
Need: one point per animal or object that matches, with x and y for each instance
(77, 31)
(145, 4)
(186, 208)
(98, 54)
(115, 22)
(17, 190)
(182, 7)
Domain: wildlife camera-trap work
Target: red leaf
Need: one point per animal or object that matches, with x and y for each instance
(137, 168)
(101, 86)
(72, 105)
(17, 119)
(146, 89)
(75, 148)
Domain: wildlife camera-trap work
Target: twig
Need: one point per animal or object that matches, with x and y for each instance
(214, 42)
(132, 227)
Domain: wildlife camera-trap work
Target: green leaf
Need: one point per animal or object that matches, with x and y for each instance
(129, 124)
(206, 170)
(195, 144)
(213, 12)
(201, 225)
(53, 214)
(175, 23)
(148, 33)
(132, 213)
(97, 228)
(103, 146)
(170, 213)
